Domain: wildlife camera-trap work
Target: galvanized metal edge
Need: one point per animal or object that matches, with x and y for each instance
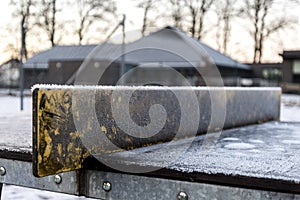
(114, 186)
(20, 173)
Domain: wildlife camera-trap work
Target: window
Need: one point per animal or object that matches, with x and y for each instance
(271, 74)
(265, 73)
(296, 67)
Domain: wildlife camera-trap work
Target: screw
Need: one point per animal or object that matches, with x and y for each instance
(57, 179)
(106, 186)
(2, 171)
(182, 196)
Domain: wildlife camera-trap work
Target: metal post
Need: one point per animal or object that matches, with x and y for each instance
(1, 187)
(21, 63)
(237, 77)
(122, 69)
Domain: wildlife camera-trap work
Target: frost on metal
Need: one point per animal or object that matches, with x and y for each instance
(148, 87)
(256, 156)
(72, 123)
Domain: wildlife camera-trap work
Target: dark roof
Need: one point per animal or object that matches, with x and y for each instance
(13, 63)
(12, 60)
(290, 54)
(222, 59)
(265, 65)
(218, 58)
(185, 44)
(62, 53)
(168, 45)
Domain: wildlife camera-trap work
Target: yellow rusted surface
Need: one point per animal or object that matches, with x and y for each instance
(58, 146)
(103, 129)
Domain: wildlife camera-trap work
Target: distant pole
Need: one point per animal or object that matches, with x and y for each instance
(21, 63)
(122, 69)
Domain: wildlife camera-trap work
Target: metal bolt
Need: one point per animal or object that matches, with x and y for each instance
(182, 196)
(2, 171)
(57, 179)
(106, 186)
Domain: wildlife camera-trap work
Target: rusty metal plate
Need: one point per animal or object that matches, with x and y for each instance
(73, 123)
(56, 145)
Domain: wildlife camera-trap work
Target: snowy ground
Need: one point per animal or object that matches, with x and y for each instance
(290, 108)
(9, 105)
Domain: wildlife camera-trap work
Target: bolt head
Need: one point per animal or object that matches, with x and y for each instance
(182, 196)
(57, 179)
(2, 171)
(106, 186)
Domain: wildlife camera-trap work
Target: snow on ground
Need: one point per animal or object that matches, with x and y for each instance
(11, 192)
(10, 105)
(290, 107)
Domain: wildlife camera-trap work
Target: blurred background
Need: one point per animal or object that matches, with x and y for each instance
(252, 42)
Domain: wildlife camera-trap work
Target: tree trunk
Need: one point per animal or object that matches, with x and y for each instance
(226, 32)
(53, 23)
(256, 31)
(194, 21)
(200, 30)
(145, 18)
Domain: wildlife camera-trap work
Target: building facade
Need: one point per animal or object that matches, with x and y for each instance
(291, 71)
(151, 54)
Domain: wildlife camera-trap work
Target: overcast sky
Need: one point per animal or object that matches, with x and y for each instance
(240, 43)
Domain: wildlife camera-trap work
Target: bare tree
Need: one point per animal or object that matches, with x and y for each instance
(205, 5)
(177, 7)
(91, 11)
(46, 19)
(147, 6)
(193, 10)
(12, 48)
(198, 10)
(23, 13)
(264, 23)
(226, 11)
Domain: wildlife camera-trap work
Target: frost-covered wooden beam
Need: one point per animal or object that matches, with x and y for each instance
(73, 123)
